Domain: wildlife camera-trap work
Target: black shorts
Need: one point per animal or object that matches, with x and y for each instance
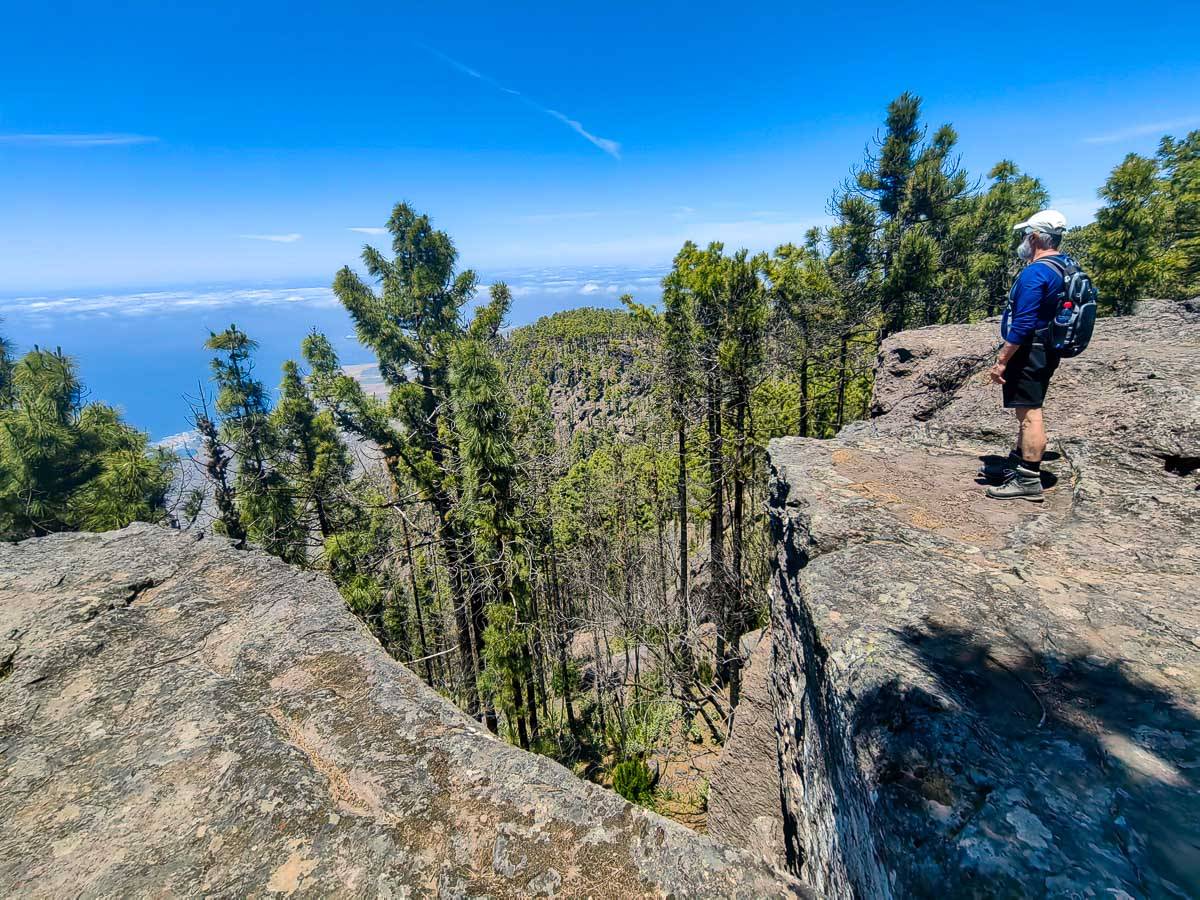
(1027, 376)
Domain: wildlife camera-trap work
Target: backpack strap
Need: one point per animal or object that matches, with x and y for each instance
(1063, 269)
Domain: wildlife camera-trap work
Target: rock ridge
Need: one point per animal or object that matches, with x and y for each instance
(990, 699)
(181, 718)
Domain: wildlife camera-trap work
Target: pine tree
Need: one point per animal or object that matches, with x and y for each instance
(680, 368)
(483, 423)
(806, 295)
(317, 464)
(741, 358)
(533, 423)
(264, 499)
(66, 465)
(919, 190)
(358, 556)
(412, 325)
(701, 276)
(1123, 251)
(216, 461)
(1180, 166)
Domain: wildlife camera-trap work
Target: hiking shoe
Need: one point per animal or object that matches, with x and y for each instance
(1019, 484)
(996, 467)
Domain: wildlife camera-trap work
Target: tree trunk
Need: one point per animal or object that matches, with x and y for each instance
(518, 694)
(598, 673)
(735, 623)
(841, 394)
(560, 639)
(412, 580)
(804, 414)
(682, 513)
(530, 696)
(465, 601)
(716, 519)
(536, 658)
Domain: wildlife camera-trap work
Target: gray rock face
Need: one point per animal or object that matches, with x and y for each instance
(981, 699)
(178, 718)
(743, 799)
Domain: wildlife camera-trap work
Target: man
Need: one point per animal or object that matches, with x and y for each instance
(1026, 364)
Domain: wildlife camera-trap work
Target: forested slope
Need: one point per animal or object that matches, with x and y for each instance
(596, 366)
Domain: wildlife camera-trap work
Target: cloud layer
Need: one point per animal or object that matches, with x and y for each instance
(557, 284)
(151, 302)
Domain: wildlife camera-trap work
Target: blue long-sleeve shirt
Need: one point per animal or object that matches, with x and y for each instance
(1034, 295)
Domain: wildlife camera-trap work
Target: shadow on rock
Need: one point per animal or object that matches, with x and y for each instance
(1016, 767)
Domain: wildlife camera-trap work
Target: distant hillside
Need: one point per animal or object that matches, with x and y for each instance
(596, 363)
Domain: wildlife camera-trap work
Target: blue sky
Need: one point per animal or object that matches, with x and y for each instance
(301, 119)
(173, 145)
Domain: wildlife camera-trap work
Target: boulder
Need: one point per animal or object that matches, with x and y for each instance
(179, 718)
(996, 698)
(743, 797)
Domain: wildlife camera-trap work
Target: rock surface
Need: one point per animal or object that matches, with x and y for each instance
(743, 799)
(990, 698)
(178, 718)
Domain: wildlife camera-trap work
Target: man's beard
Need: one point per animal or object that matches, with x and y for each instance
(1025, 251)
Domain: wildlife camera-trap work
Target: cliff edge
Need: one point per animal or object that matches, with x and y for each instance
(996, 698)
(178, 718)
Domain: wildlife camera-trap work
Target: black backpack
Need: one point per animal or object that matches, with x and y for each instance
(1075, 313)
(1074, 318)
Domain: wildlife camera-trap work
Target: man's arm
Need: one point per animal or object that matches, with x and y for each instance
(1027, 299)
(1006, 353)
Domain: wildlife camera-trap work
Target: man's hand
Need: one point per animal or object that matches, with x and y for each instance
(1007, 352)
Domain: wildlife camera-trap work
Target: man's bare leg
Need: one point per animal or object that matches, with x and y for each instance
(1024, 482)
(1032, 438)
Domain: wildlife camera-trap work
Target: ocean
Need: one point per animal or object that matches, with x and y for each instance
(143, 350)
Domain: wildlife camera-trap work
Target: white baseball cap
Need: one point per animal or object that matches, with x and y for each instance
(1048, 221)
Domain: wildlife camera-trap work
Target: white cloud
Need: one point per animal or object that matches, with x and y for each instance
(592, 282)
(368, 229)
(161, 302)
(276, 238)
(76, 140)
(465, 69)
(611, 147)
(1155, 128)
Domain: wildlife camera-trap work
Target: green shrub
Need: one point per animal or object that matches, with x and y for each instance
(633, 781)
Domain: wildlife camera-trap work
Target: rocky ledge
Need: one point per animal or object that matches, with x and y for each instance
(996, 698)
(178, 718)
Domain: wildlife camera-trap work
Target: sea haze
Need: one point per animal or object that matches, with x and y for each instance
(143, 351)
